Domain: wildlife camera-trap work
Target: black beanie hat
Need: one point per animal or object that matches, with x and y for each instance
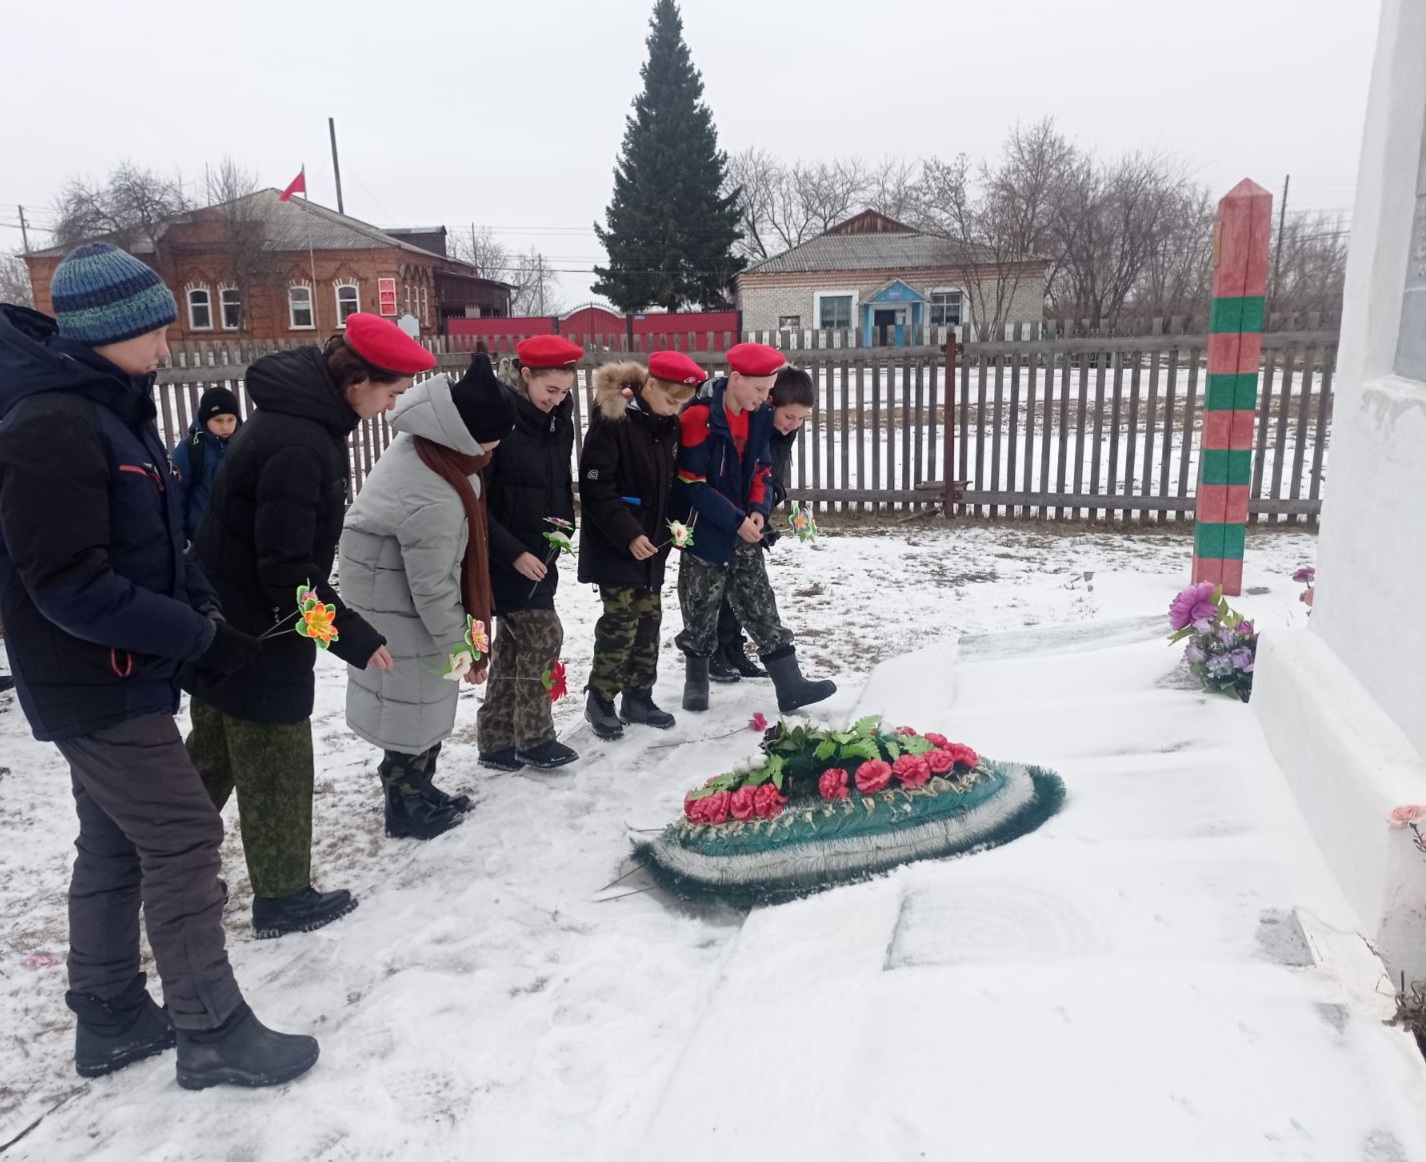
(218, 401)
(486, 406)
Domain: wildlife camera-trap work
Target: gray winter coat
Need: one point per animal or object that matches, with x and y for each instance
(401, 552)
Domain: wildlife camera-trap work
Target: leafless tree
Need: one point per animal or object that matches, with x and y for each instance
(1311, 270)
(228, 190)
(535, 281)
(783, 204)
(127, 208)
(15, 281)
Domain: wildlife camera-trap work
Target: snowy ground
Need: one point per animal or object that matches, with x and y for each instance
(1101, 989)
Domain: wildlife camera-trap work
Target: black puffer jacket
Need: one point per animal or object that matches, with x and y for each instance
(272, 524)
(99, 606)
(530, 478)
(626, 474)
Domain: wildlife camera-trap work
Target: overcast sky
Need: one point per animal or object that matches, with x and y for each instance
(510, 115)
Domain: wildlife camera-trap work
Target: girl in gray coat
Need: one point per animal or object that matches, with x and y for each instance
(414, 563)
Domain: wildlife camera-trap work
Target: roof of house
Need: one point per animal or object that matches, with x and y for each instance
(298, 224)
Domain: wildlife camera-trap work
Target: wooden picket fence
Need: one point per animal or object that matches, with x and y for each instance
(1049, 427)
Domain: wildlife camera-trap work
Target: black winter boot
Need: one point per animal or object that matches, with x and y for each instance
(720, 669)
(738, 658)
(695, 683)
(417, 817)
(501, 760)
(599, 712)
(303, 911)
(242, 1051)
(115, 1032)
(547, 755)
(638, 706)
(793, 690)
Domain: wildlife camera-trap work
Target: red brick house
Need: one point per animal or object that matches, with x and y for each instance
(262, 269)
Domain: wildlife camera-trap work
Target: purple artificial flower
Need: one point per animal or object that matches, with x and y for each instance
(1194, 653)
(1193, 606)
(1243, 660)
(1228, 636)
(1245, 629)
(1220, 665)
(1305, 576)
(1204, 627)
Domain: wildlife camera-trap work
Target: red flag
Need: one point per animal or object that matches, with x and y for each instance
(297, 185)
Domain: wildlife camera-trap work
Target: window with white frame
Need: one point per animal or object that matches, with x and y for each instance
(230, 306)
(424, 303)
(299, 308)
(348, 302)
(200, 309)
(834, 311)
(946, 307)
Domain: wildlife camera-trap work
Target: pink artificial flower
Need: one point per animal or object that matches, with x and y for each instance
(833, 784)
(912, 770)
(757, 722)
(768, 801)
(693, 809)
(1306, 575)
(964, 756)
(744, 804)
(1402, 817)
(1193, 606)
(717, 807)
(872, 776)
(940, 741)
(906, 731)
(940, 761)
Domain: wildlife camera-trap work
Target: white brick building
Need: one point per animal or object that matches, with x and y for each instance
(883, 280)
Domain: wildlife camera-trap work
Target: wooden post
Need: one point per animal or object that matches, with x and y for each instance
(948, 429)
(1235, 343)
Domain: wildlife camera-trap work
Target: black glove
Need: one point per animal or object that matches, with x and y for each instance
(230, 651)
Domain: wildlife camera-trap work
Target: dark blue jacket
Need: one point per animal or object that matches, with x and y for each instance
(193, 489)
(99, 607)
(719, 487)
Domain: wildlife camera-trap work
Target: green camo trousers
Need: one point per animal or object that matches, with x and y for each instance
(271, 768)
(626, 641)
(408, 773)
(701, 588)
(516, 712)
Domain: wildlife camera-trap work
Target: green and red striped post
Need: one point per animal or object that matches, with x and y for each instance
(1235, 347)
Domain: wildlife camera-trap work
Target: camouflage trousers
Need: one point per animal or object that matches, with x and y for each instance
(626, 641)
(270, 766)
(516, 712)
(409, 774)
(744, 581)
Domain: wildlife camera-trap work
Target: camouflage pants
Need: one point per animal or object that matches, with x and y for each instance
(408, 773)
(270, 766)
(516, 711)
(702, 587)
(626, 641)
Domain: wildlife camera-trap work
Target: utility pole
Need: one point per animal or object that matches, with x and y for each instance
(474, 261)
(24, 230)
(541, 283)
(1277, 249)
(336, 166)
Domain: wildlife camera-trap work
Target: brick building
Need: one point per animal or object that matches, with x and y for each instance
(881, 280)
(262, 269)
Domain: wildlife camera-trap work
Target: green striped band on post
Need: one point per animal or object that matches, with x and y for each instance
(1226, 466)
(1219, 542)
(1231, 393)
(1237, 315)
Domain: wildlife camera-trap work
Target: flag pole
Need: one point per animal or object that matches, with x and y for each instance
(311, 258)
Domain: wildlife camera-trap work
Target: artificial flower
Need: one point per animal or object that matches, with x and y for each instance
(460, 663)
(804, 526)
(717, 807)
(768, 801)
(318, 621)
(476, 637)
(560, 523)
(680, 534)
(1402, 817)
(833, 784)
(941, 761)
(554, 681)
(1194, 606)
(906, 731)
(744, 804)
(964, 756)
(940, 741)
(1243, 659)
(912, 770)
(757, 722)
(872, 776)
(1306, 575)
(559, 542)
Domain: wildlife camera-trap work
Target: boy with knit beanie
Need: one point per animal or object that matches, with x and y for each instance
(101, 611)
(197, 457)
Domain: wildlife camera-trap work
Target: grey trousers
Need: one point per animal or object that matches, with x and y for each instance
(147, 833)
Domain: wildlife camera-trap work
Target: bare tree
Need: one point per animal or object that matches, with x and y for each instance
(228, 190)
(783, 205)
(127, 208)
(536, 286)
(15, 285)
(893, 187)
(1312, 266)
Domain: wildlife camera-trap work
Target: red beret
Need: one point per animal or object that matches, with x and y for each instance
(548, 351)
(675, 367)
(385, 345)
(756, 359)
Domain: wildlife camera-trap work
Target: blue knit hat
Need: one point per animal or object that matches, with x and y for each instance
(102, 295)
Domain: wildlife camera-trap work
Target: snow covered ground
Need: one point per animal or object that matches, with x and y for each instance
(1136, 980)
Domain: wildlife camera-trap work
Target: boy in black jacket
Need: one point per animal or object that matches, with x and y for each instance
(626, 476)
(529, 486)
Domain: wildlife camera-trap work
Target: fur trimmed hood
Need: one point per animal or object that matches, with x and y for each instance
(614, 383)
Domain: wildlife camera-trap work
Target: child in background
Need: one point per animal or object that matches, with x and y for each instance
(792, 400)
(626, 474)
(196, 457)
(529, 482)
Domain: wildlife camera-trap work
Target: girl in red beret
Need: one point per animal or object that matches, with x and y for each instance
(530, 509)
(272, 525)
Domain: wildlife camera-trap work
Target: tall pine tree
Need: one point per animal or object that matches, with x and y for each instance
(670, 233)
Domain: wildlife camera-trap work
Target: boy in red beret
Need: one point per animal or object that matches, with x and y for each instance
(725, 477)
(530, 497)
(626, 476)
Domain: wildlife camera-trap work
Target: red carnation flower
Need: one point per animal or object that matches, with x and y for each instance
(872, 776)
(833, 784)
(940, 761)
(693, 808)
(768, 801)
(744, 804)
(964, 756)
(716, 807)
(939, 741)
(757, 722)
(912, 770)
(906, 731)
